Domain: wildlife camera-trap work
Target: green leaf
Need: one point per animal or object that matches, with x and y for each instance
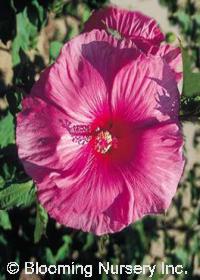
(195, 244)
(49, 256)
(41, 14)
(25, 36)
(63, 251)
(7, 131)
(86, 13)
(184, 20)
(4, 220)
(57, 6)
(17, 195)
(191, 86)
(2, 182)
(157, 276)
(54, 49)
(72, 32)
(70, 8)
(104, 276)
(89, 241)
(3, 241)
(196, 18)
(41, 223)
(187, 66)
(191, 81)
(182, 256)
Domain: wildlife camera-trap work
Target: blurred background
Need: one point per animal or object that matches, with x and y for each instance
(31, 35)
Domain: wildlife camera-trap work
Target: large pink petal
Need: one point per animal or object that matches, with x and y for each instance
(130, 24)
(145, 90)
(43, 138)
(172, 56)
(79, 80)
(96, 199)
(156, 170)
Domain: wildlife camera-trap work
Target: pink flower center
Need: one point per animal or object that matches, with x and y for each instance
(112, 140)
(104, 142)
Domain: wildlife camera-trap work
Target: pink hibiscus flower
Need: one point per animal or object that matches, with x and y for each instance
(100, 135)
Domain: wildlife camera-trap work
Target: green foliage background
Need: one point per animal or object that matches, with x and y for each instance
(25, 232)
